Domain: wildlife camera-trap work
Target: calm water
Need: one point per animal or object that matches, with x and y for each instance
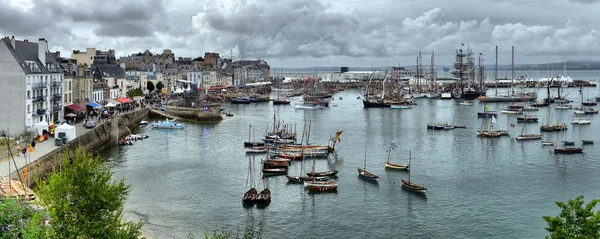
(192, 180)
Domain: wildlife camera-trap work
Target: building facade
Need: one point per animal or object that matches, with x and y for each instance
(33, 81)
(84, 58)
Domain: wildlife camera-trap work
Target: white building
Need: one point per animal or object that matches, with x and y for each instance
(31, 84)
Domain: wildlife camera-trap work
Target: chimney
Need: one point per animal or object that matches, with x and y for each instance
(12, 42)
(57, 54)
(42, 48)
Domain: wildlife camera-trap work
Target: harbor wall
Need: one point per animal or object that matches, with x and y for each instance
(103, 135)
(191, 114)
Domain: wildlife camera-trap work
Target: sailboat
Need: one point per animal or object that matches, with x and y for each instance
(560, 149)
(410, 185)
(249, 197)
(300, 178)
(320, 186)
(264, 197)
(251, 143)
(524, 136)
(363, 173)
(583, 110)
(167, 124)
(394, 165)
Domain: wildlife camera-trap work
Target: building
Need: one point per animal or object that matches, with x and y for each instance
(109, 78)
(31, 82)
(84, 58)
(246, 71)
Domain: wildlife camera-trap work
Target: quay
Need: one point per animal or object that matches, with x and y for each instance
(46, 155)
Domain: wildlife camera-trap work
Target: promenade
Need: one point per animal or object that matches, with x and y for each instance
(40, 150)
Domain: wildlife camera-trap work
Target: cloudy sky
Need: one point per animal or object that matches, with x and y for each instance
(302, 33)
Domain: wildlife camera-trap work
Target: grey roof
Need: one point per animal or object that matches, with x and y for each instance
(112, 71)
(28, 51)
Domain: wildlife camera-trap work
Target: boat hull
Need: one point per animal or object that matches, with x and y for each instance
(568, 150)
(372, 104)
(396, 166)
(367, 175)
(413, 187)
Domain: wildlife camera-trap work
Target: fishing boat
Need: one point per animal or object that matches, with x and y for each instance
(144, 123)
(363, 173)
(321, 186)
(564, 107)
(397, 166)
(251, 143)
(560, 149)
(241, 100)
(468, 103)
(410, 185)
(587, 141)
(322, 174)
(566, 142)
(487, 113)
(403, 105)
(263, 198)
(260, 150)
(308, 106)
(274, 171)
(167, 124)
(249, 197)
(282, 101)
(528, 118)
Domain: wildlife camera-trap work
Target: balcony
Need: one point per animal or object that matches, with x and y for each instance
(57, 97)
(56, 84)
(39, 98)
(38, 86)
(39, 112)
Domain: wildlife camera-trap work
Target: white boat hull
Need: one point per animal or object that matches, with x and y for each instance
(401, 106)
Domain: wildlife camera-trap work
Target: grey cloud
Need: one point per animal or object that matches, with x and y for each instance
(585, 1)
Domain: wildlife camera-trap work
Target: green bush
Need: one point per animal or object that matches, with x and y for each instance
(575, 221)
(84, 201)
(19, 219)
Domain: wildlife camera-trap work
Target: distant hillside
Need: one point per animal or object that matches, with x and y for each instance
(571, 65)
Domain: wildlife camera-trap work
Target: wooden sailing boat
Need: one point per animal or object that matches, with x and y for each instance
(249, 197)
(251, 143)
(524, 136)
(394, 165)
(320, 186)
(410, 185)
(363, 173)
(560, 149)
(264, 197)
(300, 178)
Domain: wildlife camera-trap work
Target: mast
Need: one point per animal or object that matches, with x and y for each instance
(389, 152)
(302, 149)
(512, 68)
(365, 168)
(249, 131)
(409, 159)
(496, 71)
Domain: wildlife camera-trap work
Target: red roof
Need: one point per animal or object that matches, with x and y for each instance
(123, 100)
(75, 108)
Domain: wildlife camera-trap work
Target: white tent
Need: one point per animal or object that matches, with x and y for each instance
(69, 131)
(110, 104)
(40, 127)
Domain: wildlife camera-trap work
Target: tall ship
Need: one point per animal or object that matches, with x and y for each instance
(511, 95)
(464, 72)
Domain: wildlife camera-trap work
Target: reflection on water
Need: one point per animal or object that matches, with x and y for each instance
(192, 180)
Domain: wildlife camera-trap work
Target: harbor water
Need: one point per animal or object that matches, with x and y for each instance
(192, 180)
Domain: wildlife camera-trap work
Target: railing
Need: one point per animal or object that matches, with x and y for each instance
(56, 84)
(39, 112)
(38, 85)
(39, 98)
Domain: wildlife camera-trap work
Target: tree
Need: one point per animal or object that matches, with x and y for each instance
(84, 201)
(159, 85)
(198, 59)
(134, 92)
(575, 221)
(150, 86)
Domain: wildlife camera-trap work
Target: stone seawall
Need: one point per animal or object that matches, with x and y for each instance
(105, 134)
(190, 114)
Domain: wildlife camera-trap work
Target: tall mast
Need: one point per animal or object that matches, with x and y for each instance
(512, 66)
(496, 71)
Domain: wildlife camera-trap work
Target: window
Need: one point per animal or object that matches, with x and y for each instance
(28, 95)
(69, 85)
(28, 109)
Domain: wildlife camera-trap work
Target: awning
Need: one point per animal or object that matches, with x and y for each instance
(94, 105)
(123, 100)
(75, 108)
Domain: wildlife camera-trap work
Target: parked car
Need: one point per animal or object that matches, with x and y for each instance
(90, 125)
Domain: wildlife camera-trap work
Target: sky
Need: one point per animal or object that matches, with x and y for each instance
(307, 33)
